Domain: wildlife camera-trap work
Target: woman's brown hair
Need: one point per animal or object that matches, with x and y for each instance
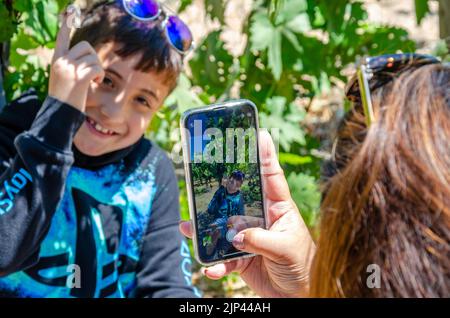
(389, 202)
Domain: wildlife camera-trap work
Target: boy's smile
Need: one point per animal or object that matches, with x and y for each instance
(119, 110)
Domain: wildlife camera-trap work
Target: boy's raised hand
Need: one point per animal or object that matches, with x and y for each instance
(73, 69)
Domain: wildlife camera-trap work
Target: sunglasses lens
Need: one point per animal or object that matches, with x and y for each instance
(143, 9)
(179, 34)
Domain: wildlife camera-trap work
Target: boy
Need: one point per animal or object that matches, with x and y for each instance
(88, 207)
(226, 202)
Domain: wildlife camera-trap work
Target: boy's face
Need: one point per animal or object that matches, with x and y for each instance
(119, 109)
(233, 185)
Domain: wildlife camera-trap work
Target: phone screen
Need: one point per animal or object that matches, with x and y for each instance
(225, 178)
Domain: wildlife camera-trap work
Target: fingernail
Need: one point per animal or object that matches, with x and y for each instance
(238, 241)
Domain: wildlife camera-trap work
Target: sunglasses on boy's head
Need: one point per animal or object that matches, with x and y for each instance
(374, 72)
(177, 32)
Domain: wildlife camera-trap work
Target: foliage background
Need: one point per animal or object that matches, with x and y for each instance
(294, 53)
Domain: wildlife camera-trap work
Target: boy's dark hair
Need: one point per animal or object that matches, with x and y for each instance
(108, 21)
(237, 175)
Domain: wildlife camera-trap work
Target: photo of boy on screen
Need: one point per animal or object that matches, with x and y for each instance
(226, 202)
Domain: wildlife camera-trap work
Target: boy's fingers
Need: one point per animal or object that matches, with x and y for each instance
(80, 50)
(93, 73)
(88, 60)
(186, 228)
(275, 184)
(62, 39)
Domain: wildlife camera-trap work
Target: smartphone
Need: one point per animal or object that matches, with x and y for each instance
(223, 177)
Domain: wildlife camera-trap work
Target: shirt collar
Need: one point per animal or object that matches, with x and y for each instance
(94, 162)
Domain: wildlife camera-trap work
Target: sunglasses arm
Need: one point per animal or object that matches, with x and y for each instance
(365, 94)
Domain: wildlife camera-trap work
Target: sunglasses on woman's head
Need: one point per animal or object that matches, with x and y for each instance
(374, 72)
(177, 32)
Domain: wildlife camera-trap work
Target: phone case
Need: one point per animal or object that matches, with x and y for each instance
(185, 115)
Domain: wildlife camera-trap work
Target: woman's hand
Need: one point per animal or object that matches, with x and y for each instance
(285, 251)
(72, 70)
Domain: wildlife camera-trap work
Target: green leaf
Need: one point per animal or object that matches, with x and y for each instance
(62, 4)
(31, 23)
(293, 133)
(216, 9)
(422, 9)
(48, 19)
(212, 66)
(275, 55)
(300, 23)
(296, 114)
(22, 5)
(183, 96)
(442, 50)
(290, 9)
(306, 194)
(276, 105)
(324, 83)
(264, 35)
(293, 159)
(23, 41)
(6, 24)
(261, 31)
(286, 120)
(184, 4)
(51, 19)
(293, 40)
(318, 19)
(16, 59)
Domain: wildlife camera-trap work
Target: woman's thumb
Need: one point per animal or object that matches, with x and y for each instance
(259, 241)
